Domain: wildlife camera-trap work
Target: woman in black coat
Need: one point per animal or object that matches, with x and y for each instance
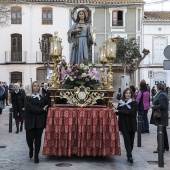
(17, 97)
(160, 101)
(35, 120)
(2, 97)
(126, 111)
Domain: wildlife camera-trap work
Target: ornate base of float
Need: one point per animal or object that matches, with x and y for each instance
(83, 96)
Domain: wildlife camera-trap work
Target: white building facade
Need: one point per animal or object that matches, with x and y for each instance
(20, 56)
(28, 33)
(156, 37)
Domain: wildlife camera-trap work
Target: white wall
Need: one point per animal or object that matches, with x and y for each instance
(31, 30)
(151, 30)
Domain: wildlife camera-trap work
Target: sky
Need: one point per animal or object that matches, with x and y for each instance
(157, 5)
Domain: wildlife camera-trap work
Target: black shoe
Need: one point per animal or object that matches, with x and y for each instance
(143, 131)
(20, 128)
(31, 154)
(36, 160)
(17, 132)
(167, 149)
(156, 151)
(147, 131)
(7, 105)
(130, 159)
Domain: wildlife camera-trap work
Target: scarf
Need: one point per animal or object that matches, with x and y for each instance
(159, 93)
(122, 103)
(36, 95)
(2, 90)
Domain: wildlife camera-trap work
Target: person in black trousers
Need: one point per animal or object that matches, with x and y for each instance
(35, 120)
(6, 94)
(17, 98)
(160, 101)
(127, 111)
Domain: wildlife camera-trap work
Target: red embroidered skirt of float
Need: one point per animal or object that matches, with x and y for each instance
(81, 132)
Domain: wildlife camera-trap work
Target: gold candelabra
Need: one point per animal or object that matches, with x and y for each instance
(110, 55)
(103, 61)
(56, 54)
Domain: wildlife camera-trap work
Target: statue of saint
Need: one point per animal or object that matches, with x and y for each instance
(80, 35)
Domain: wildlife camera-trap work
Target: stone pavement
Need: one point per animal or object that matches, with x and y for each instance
(14, 154)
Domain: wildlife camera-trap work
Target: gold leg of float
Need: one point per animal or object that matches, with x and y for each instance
(110, 77)
(55, 77)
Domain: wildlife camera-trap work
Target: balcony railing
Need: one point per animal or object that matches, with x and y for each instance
(39, 58)
(15, 57)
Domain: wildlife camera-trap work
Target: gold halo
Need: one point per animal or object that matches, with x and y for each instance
(81, 6)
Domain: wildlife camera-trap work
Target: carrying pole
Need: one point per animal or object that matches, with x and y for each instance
(139, 131)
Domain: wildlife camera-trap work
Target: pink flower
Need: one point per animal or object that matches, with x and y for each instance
(75, 77)
(80, 77)
(72, 73)
(86, 79)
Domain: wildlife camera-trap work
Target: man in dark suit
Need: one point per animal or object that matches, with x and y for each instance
(44, 90)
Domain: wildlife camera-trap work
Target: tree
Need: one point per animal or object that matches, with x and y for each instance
(5, 12)
(128, 55)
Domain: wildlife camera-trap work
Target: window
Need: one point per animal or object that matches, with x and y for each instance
(158, 48)
(47, 16)
(159, 77)
(46, 49)
(16, 47)
(117, 18)
(16, 77)
(16, 17)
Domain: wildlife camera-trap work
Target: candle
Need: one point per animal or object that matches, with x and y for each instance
(55, 50)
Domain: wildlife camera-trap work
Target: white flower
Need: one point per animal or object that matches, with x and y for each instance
(84, 75)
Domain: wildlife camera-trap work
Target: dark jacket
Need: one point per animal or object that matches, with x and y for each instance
(10, 88)
(127, 117)
(18, 103)
(44, 92)
(161, 102)
(6, 90)
(2, 97)
(35, 115)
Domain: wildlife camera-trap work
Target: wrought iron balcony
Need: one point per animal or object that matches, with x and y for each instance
(15, 57)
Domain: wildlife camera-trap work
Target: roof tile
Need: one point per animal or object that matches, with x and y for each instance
(93, 1)
(157, 15)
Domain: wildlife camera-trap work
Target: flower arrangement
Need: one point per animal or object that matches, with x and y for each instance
(80, 74)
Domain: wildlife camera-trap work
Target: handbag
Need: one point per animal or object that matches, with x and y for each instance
(1, 105)
(157, 114)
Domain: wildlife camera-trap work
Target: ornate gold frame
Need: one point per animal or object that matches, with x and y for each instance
(83, 96)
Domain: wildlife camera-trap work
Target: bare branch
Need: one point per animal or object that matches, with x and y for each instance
(5, 13)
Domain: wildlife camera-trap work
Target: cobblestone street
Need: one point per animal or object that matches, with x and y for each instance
(14, 154)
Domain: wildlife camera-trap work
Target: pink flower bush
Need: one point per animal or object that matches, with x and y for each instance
(76, 75)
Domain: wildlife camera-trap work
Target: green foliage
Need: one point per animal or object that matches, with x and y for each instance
(127, 50)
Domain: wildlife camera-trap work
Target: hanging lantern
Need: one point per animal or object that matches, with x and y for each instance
(102, 55)
(55, 46)
(111, 49)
